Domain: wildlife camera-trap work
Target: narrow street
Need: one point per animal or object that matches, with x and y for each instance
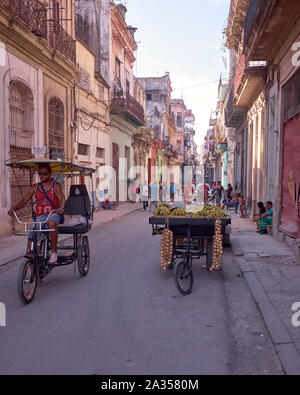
(126, 316)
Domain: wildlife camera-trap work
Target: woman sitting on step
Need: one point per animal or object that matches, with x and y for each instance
(266, 219)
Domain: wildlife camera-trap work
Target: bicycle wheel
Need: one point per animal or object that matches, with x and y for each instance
(183, 278)
(83, 257)
(27, 281)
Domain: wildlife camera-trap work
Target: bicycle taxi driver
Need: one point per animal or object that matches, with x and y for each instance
(48, 196)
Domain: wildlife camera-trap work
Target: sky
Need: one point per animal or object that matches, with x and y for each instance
(183, 37)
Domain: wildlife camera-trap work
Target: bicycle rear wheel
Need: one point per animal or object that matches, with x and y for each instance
(83, 257)
(27, 281)
(184, 278)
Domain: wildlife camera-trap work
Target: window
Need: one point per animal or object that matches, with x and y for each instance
(179, 120)
(56, 128)
(100, 153)
(55, 10)
(118, 68)
(149, 96)
(21, 133)
(127, 87)
(83, 149)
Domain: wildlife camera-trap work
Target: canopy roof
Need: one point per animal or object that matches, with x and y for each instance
(57, 166)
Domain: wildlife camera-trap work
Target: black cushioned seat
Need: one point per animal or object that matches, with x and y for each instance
(77, 229)
(78, 203)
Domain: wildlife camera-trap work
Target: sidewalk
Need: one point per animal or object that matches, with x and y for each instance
(272, 272)
(13, 247)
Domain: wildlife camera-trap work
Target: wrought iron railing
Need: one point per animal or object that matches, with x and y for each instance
(251, 14)
(33, 14)
(131, 105)
(60, 40)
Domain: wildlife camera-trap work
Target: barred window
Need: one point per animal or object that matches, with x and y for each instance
(83, 149)
(100, 153)
(21, 133)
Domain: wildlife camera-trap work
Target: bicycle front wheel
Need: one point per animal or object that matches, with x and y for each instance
(27, 281)
(184, 278)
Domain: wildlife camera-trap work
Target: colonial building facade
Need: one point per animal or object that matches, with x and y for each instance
(37, 87)
(262, 107)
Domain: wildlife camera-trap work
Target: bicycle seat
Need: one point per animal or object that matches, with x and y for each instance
(78, 203)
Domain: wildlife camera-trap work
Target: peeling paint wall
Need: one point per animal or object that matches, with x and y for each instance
(157, 103)
(93, 29)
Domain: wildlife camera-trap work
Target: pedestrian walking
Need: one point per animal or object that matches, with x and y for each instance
(219, 193)
(172, 191)
(145, 195)
(154, 194)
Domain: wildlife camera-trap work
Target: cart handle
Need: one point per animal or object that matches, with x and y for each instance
(26, 224)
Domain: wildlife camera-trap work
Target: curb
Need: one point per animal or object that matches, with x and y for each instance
(67, 238)
(283, 343)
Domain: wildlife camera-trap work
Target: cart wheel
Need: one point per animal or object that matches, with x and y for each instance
(183, 278)
(83, 257)
(27, 281)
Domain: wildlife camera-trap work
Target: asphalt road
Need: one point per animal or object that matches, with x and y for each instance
(126, 316)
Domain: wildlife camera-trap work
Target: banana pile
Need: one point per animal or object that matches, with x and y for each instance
(179, 211)
(217, 247)
(165, 209)
(162, 210)
(209, 212)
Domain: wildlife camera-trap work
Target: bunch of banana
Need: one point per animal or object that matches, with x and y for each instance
(217, 247)
(179, 212)
(166, 248)
(210, 212)
(162, 210)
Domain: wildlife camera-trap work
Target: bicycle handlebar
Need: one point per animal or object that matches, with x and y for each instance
(35, 223)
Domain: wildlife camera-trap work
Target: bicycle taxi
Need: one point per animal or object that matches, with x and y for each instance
(78, 212)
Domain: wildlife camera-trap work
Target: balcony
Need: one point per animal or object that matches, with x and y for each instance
(34, 14)
(59, 40)
(249, 79)
(127, 105)
(264, 30)
(234, 115)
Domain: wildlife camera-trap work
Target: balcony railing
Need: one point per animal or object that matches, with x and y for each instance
(33, 14)
(60, 40)
(233, 114)
(130, 106)
(251, 14)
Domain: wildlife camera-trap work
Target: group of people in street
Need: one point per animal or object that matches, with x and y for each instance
(152, 194)
(264, 216)
(226, 197)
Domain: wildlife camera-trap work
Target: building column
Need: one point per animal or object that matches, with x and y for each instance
(258, 156)
(249, 162)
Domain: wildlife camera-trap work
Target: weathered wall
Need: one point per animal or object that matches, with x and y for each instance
(93, 28)
(20, 70)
